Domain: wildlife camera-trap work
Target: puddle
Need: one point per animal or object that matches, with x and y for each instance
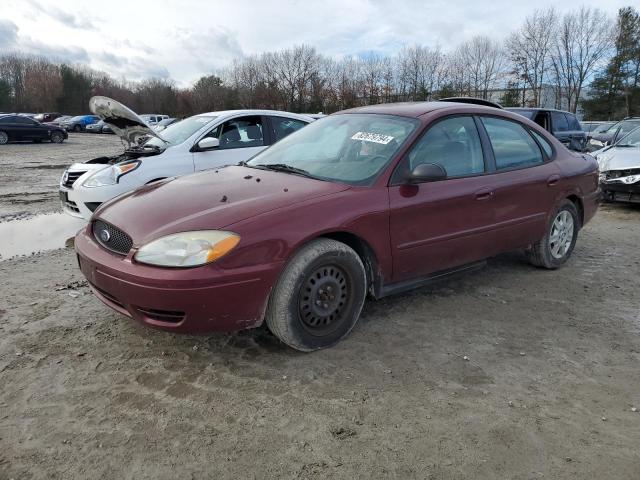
(37, 234)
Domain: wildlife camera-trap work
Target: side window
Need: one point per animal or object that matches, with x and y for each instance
(574, 125)
(5, 120)
(283, 126)
(559, 122)
(242, 132)
(512, 145)
(545, 145)
(454, 144)
(23, 120)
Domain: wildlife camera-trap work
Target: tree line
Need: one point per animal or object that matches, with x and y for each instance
(582, 59)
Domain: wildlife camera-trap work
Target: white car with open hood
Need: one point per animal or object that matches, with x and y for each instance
(204, 141)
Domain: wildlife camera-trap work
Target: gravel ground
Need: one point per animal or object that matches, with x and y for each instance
(508, 373)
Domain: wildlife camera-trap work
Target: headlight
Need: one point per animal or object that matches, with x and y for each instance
(110, 175)
(597, 143)
(187, 249)
(631, 179)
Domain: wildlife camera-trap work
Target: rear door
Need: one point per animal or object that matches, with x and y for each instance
(525, 182)
(281, 127)
(439, 225)
(240, 139)
(29, 129)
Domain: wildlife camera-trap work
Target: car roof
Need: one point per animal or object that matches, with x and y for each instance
(229, 113)
(417, 109)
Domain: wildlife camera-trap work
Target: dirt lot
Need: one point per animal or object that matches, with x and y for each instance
(507, 373)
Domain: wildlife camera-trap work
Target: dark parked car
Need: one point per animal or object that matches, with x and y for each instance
(15, 128)
(614, 133)
(79, 123)
(563, 125)
(373, 200)
(46, 117)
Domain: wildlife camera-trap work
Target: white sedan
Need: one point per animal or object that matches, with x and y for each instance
(204, 141)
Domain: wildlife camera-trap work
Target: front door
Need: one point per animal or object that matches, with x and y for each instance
(443, 224)
(240, 139)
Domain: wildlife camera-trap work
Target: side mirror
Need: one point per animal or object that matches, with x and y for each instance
(208, 143)
(427, 172)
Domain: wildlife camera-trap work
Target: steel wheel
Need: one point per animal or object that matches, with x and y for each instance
(4, 138)
(56, 137)
(561, 235)
(322, 299)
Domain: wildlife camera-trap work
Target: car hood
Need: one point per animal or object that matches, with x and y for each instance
(213, 199)
(619, 158)
(123, 121)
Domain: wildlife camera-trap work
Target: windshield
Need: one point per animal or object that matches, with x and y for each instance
(632, 139)
(166, 121)
(348, 148)
(178, 132)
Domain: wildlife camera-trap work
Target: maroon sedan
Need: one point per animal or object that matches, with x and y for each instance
(372, 200)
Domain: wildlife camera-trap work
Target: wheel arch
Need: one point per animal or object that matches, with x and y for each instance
(577, 201)
(364, 251)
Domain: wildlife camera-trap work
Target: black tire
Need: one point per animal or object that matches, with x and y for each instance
(323, 271)
(57, 137)
(4, 138)
(549, 253)
(77, 129)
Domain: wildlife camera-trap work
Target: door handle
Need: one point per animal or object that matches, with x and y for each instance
(553, 180)
(484, 194)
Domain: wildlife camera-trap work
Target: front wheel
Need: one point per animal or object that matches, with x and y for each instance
(319, 296)
(57, 137)
(555, 248)
(77, 129)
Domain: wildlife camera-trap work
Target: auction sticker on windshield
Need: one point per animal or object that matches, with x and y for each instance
(372, 137)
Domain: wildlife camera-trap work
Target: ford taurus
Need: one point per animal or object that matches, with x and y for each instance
(369, 201)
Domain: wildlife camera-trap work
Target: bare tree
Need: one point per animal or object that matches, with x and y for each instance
(529, 50)
(584, 39)
(481, 63)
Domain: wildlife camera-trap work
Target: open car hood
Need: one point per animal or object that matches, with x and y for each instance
(123, 121)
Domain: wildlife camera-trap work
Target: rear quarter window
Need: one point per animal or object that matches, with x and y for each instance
(546, 146)
(512, 145)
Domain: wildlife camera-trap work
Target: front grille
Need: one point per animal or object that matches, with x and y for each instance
(73, 206)
(72, 176)
(612, 174)
(162, 315)
(111, 238)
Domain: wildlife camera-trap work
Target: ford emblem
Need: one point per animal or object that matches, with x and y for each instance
(105, 236)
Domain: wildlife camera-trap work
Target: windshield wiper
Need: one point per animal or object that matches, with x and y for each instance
(283, 167)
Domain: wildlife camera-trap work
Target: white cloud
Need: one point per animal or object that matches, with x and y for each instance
(185, 39)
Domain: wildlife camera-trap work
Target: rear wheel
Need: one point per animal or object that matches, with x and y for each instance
(57, 137)
(555, 248)
(319, 296)
(4, 138)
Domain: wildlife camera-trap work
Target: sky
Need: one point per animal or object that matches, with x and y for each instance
(185, 39)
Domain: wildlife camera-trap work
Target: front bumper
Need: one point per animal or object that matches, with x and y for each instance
(193, 300)
(620, 192)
